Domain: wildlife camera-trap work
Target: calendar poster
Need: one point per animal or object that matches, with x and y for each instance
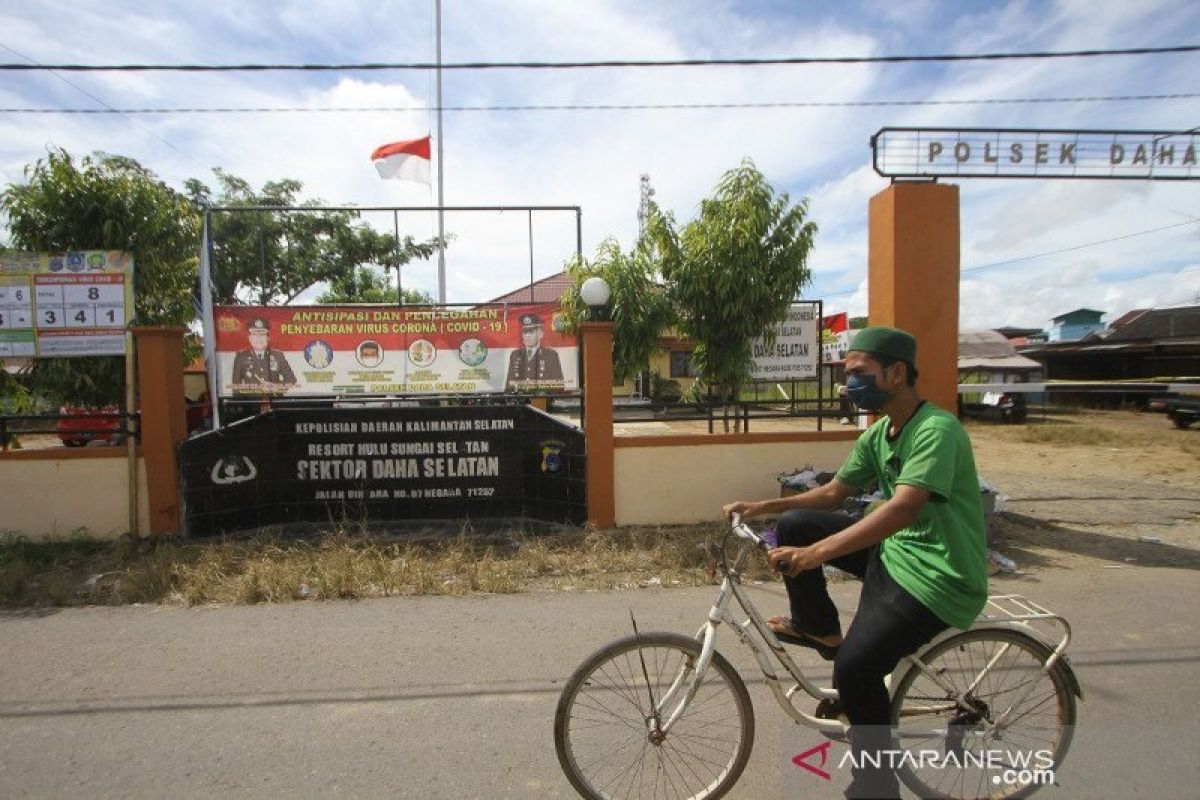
(65, 304)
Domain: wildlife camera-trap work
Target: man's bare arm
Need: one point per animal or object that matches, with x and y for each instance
(823, 498)
(899, 512)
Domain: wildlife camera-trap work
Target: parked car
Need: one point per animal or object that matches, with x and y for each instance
(1005, 406)
(77, 425)
(1183, 409)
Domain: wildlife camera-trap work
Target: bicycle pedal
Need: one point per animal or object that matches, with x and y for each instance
(829, 708)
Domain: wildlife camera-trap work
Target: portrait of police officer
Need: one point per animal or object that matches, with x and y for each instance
(259, 369)
(532, 362)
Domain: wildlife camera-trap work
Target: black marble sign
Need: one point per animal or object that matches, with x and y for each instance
(339, 465)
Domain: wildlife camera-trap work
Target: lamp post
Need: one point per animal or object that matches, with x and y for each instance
(597, 411)
(595, 293)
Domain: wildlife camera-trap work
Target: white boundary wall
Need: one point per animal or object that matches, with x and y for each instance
(44, 498)
(687, 483)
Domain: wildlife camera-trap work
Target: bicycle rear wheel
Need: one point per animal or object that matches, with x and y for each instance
(965, 756)
(604, 734)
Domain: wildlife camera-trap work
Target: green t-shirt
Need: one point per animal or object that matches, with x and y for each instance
(941, 559)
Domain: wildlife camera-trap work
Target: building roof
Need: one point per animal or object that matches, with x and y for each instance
(986, 349)
(1126, 318)
(545, 290)
(1010, 332)
(1079, 314)
(1160, 323)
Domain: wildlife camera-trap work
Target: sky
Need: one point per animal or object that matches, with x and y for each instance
(1030, 249)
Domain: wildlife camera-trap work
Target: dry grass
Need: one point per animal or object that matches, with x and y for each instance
(269, 568)
(1073, 434)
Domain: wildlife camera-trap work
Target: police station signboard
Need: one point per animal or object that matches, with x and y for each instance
(370, 350)
(65, 304)
(795, 352)
(318, 465)
(1021, 153)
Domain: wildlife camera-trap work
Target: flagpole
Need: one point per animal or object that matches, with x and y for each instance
(441, 197)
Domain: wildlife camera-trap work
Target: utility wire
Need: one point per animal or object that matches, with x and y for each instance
(1079, 246)
(1047, 253)
(107, 108)
(683, 62)
(783, 104)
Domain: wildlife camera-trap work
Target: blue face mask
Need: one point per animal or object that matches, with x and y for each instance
(864, 393)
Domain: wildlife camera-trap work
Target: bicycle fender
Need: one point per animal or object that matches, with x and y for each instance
(1063, 663)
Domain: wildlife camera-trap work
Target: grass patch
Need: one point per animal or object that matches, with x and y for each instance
(1072, 434)
(271, 568)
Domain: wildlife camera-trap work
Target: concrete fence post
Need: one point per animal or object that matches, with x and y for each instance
(164, 420)
(598, 422)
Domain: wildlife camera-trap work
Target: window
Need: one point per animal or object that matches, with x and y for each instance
(681, 364)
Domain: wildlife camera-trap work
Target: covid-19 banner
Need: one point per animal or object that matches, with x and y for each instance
(370, 350)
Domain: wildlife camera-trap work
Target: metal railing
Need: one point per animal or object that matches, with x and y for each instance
(72, 429)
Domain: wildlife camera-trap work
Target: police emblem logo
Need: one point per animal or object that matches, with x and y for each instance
(422, 352)
(233, 469)
(472, 352)
(319, 354)
(552, 459)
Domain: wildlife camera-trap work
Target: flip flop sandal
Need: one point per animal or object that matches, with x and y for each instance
(827, 652)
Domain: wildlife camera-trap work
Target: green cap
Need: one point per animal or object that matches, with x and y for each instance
(891, 342)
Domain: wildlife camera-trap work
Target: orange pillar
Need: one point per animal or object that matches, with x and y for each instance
(164, 423)
(912, 280)
(598, 422)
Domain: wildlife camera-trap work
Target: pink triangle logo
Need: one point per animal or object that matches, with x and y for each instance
(823, 749)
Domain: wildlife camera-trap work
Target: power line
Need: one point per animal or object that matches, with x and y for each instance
(1080, 246)
(107, 108)
(1047, 253)
(537, 65)
(783, 104)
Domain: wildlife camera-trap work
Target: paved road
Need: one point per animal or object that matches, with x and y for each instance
(454, 697)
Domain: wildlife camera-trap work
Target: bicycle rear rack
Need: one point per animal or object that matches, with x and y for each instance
(1041, 622)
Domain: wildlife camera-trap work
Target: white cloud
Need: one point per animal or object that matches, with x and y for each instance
(593, 159)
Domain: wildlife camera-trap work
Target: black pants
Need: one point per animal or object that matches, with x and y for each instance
(889, 624)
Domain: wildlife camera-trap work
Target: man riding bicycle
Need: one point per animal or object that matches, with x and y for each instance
(921, 555)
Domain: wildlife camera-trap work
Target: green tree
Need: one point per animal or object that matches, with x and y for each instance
(269, 257)
(638, 306)
(732, 272)
(106, 202)
(366, 285)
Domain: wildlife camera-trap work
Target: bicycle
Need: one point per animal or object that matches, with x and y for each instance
(662, 714)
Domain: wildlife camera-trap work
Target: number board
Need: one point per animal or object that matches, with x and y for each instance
(65, 304)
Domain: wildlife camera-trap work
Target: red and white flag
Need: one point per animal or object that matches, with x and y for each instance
(405, 161)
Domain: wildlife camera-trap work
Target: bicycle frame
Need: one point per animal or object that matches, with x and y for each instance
(1012, 612)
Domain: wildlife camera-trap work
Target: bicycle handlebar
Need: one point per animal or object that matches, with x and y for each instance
(743, 531)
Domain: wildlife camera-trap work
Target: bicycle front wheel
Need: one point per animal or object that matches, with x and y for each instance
(605, 728)
(1012, 737)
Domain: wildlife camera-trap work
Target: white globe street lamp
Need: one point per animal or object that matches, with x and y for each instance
(595, 292)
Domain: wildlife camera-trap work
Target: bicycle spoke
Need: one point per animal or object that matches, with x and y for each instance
(1009, 686)
(606, 745)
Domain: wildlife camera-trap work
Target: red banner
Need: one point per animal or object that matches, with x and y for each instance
(354, 350)
(835, 336)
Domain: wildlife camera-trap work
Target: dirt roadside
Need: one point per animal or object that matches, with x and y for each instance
(1130, 495)
(1111, 489)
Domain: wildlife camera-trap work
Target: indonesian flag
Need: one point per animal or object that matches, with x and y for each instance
(836, 323)
(405, 161)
